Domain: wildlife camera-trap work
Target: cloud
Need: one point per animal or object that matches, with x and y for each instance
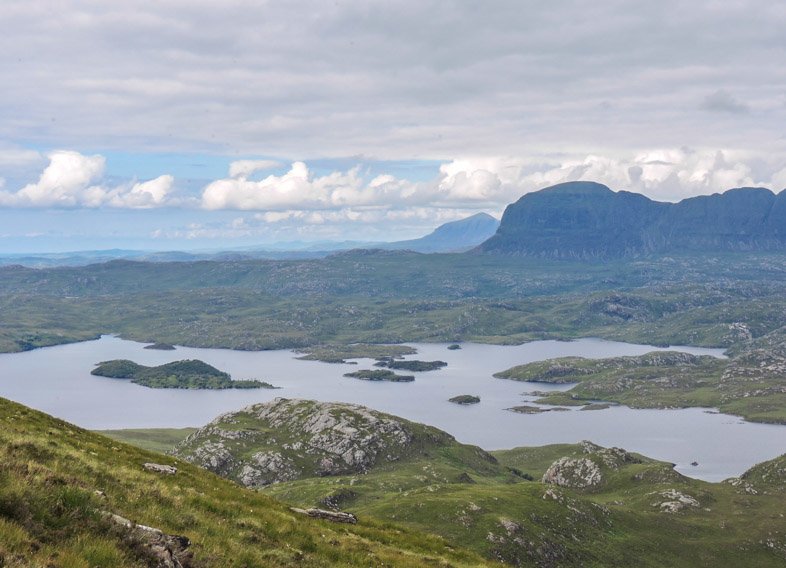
(723, 101)
(74, 180)
(152, 193)
(403, 80)
(299, 188)
(668, 174)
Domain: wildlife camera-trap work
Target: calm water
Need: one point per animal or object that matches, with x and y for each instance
(57, 380)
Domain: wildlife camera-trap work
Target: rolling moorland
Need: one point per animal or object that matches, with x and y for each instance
(580, 505)
(706, 272)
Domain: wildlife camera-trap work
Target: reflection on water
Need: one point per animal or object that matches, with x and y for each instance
(57, 380)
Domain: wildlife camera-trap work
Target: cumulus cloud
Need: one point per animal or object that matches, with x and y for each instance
(74, 180)
(299, 188)
(490, 183)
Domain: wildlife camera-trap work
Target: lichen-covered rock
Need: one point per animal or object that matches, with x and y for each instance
(283, 440)
(673, 501)
(578, 473)
(613, 458)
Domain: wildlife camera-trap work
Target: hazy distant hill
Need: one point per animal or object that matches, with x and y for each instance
(452, 237)
(588, 220)
(456, 236)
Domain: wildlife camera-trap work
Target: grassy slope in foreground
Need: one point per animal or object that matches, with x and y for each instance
(600, 507)
(617, 523)
(641, 513)
(49, 511)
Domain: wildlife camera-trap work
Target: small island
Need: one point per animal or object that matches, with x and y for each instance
(526, 409)
(158, 346)
(187, 374)
(380, 375)
(412, 366)
(465, 399)
(454, 346)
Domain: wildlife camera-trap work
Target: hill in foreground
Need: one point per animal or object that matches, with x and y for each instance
(564, 505)
(72, 498)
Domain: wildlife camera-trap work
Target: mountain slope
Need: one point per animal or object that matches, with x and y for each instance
(455, 236)
(564, 505)
(59, 486)
(587, 220)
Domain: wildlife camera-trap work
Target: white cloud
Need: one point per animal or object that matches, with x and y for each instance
(74, 180)
(66, 182)
(152, 193)
(666, 174)
(299, 188)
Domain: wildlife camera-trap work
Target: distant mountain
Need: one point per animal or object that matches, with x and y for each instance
(455, 236)
(589, 220)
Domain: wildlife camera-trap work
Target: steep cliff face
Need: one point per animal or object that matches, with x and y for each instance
(588, 220)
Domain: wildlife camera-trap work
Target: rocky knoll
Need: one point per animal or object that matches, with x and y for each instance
(586, 471)
(587, 220)
(284, 440)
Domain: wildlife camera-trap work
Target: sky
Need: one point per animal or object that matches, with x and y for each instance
(191, 124)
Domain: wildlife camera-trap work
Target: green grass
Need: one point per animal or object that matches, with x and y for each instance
(529, 523)
(160, 440)
(452, 493)
(50, 513)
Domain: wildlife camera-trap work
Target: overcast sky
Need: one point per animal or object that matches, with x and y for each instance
(183, 124)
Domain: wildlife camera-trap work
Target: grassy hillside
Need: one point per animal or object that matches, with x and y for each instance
(640, 513)
(52, 515)
(633, 510)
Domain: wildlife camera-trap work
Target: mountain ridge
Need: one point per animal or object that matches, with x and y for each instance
(588, 220)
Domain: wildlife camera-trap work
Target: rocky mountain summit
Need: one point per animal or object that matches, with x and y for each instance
(587, 220)
(284, 440)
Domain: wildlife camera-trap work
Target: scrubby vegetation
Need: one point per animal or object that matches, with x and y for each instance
(412, 366)
(340, 353)
(465, 399)
(187, 374)
(380, 375)
(749, 384)
(161, 346)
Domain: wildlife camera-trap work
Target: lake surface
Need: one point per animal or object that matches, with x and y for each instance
(57, 380)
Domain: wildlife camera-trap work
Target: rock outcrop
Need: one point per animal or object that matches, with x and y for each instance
(586, 471)
(284, 440)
